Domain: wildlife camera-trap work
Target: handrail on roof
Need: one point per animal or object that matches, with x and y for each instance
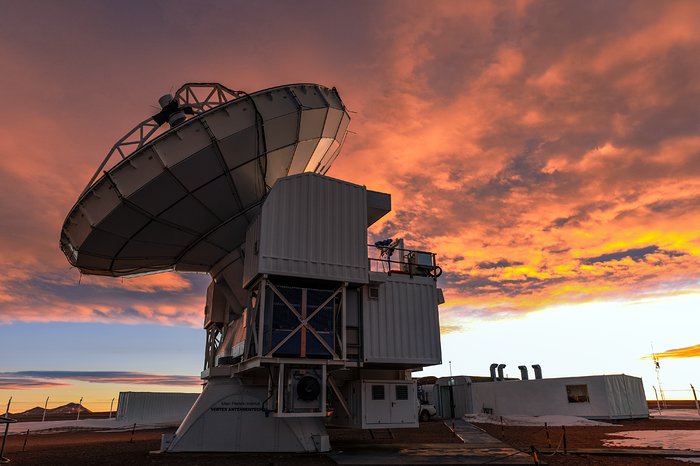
(411, 261)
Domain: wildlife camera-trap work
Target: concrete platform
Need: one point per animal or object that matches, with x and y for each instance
(478, 448)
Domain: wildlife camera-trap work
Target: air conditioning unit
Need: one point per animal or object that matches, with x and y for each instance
(304, 391)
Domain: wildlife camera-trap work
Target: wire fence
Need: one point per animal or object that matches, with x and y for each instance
(677, 398)
(59, 407)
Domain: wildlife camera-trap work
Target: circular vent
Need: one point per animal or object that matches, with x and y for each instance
(308, 388)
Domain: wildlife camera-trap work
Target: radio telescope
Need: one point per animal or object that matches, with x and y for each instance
(305, 325)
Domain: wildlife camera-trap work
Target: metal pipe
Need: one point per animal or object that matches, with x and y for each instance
(500, 371)
(492, 371)
(523, 372)
(538, 371)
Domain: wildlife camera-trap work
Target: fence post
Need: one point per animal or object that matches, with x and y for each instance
(4, 439)
(563, 428)
(132, 433)
(46, 404)
(26, 437)
(697, 406)
(80, 406)
(656, 395)
(549, 442)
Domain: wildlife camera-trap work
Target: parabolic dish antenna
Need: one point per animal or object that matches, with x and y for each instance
(183, 199)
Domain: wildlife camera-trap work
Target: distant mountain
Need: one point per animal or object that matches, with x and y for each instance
(31, 412)
(70, 408)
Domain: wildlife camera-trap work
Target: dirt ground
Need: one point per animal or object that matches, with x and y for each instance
(117, 449)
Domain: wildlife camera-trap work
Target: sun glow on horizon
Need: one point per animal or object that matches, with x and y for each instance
(583, 339)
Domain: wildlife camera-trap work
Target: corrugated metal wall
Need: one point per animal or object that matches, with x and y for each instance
(315, 227)
(402, 325)
(252, 241)
(626, 396)
(154, 407)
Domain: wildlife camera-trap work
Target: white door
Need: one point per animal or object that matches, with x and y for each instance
(404, 408)
(377, 403)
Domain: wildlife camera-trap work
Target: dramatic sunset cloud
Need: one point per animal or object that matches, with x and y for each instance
(14, 382)
(687, 352)
(546, 151)
(35, 379)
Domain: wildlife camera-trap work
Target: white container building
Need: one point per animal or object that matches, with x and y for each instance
(593, 397)
(154, 407)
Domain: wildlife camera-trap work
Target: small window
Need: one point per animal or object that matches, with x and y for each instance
(402, 392)
(377, 392)
(577, 393)
(373, 292)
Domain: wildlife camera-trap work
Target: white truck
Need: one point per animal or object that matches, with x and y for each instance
(425, 412)
(426, 409)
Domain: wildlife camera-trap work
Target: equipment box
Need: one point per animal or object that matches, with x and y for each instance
(385, 404)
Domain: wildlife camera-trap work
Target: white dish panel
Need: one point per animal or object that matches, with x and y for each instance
(181, 142)
(231, 120)
(140, 170)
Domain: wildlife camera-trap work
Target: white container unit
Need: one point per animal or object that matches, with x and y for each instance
(400, 323)
(593, 397)
(310, 226)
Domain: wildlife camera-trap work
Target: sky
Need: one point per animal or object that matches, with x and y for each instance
(547, 151)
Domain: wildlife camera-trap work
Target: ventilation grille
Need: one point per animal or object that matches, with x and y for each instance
(402, 392)
(377, 392)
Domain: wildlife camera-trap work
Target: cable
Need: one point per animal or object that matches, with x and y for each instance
(508, 456)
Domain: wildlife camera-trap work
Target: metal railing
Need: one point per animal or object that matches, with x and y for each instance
(410, 262)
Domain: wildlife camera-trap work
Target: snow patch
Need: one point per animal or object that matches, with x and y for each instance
(551, 420)
(663, 439)
(50, 427)
(675, 414)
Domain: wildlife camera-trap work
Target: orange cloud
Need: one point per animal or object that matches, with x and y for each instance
(546, 152)
(686, 352)
(169, 281)
(42, 379)
(9, 382)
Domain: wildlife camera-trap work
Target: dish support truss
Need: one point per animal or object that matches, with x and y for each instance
(199, 97)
